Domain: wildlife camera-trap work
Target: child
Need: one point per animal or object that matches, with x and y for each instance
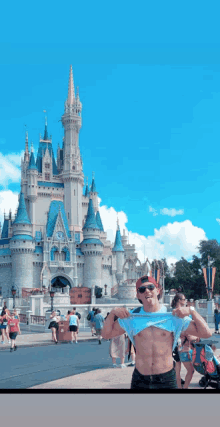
(14, 329)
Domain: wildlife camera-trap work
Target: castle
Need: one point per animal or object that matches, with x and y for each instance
(56, 237)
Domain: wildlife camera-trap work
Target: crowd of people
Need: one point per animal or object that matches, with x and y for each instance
(9, 327)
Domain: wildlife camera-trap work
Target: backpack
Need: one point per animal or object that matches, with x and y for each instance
(89, 316)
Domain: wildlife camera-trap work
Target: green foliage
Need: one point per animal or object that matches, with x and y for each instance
(189, 275)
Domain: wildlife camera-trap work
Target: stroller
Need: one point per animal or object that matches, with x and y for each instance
(205, 362)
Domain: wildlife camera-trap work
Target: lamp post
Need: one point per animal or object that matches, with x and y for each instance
(52, 296)
(13, 291)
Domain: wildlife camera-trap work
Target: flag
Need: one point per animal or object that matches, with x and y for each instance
(156, 274)
(209, 277)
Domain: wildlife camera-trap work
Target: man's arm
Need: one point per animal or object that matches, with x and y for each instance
(111, 327)
(198, 326)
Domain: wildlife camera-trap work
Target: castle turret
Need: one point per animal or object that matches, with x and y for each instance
(72, 172)
(93, 193)
(32, 174)
(118, 250)
(22, 247)
(92, 247)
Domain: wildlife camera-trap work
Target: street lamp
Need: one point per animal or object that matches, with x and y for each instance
(13, 291)
(52, 296)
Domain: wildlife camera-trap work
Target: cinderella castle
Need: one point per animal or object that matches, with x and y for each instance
(56, 238)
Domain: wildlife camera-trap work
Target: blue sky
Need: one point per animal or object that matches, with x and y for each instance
(149, 82)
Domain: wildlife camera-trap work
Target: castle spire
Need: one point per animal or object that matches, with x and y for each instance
(22, 216)
(93, 187)
(71, 94)
(26, 153)
(91, 218)
(118, 247)
(45, 130)
(87, 188)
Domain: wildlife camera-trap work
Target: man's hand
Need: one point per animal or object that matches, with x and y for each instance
(120, 312)
(181, 312)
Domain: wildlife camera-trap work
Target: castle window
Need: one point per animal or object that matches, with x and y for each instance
(47, 165)
(74, 193)
(73, 167)
(47, 176)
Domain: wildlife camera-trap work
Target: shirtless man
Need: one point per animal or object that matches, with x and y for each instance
(154, 362)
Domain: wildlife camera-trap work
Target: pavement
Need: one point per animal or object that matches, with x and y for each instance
(111, 378)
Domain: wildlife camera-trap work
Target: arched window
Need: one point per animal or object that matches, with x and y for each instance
(65, 254)
(54, 254)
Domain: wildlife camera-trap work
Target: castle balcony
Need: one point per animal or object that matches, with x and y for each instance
(60, 264)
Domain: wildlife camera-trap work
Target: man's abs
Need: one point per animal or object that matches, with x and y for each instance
(154, 351)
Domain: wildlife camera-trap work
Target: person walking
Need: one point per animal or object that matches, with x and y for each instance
(117, 350)
(73, 325)
(216, 319)
(54, 325)
(4, 325)
(99, 322)
(154, 333)
(14, 329)
(183, 351)
(90, 318)
(131, 353)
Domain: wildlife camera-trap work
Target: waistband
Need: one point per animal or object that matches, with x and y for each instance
(155, 377)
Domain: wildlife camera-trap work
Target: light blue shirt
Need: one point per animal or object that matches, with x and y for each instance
(99, 321)
(137, 322)
(73, 320)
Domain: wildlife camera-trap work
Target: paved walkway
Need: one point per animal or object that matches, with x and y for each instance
(99, 379)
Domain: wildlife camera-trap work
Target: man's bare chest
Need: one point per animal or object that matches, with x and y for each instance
(154, 334)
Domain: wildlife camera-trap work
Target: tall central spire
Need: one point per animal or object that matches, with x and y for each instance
(71, 91)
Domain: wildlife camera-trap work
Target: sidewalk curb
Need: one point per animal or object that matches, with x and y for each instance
(46, 343)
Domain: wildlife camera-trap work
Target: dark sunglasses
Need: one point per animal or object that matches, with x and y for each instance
(142, 289)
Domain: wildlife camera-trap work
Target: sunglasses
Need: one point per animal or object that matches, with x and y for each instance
(142, 289)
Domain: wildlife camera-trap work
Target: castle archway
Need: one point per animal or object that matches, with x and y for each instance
(61, 281)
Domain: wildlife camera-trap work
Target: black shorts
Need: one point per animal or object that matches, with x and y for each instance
(161, 381)
(53, 324)
(13, 335)
(73, 328)
(175, 354)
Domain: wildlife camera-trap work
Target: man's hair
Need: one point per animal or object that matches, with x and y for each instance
(74, 308)
(94, 309)
(68, 312)
(99, 311)
(175, 300)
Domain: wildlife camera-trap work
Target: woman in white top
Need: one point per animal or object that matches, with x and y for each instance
(54, 325)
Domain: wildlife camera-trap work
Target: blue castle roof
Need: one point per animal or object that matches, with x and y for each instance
(43, 145)
(79, 252)
(5, 229)
(38, 250)
(87, 191)
(22, 215)
(90, 218)
(93, 187)
(5, 251)
(32, 164)
(92, 242)
(99, 221)
(118, 243)
(55, 205)
(21, 237)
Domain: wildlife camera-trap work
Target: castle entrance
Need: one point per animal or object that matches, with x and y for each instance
(59, 283)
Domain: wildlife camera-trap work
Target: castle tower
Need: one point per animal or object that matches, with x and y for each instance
(118, 250)
(32, 174)
(92, 249)
(72, 173)
(22, 247)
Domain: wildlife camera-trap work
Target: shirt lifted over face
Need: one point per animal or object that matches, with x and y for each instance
(137, 322)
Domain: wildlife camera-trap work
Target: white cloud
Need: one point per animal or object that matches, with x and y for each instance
(218, 220)
(10, 168)
(8, 200)
(171, 241)
(171, 212)
(151, 209)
